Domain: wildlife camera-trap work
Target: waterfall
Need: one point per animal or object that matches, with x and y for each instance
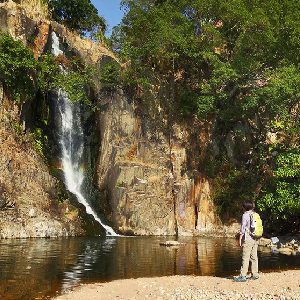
(71, 142)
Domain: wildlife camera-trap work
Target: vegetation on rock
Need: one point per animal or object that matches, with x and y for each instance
(230, 62)
(17, 68)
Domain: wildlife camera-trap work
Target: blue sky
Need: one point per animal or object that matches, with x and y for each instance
(110, 11)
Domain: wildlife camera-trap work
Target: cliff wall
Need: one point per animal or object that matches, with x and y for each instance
(141, 170)
(142, 166)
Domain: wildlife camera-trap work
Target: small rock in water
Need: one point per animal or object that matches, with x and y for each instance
(171, 243)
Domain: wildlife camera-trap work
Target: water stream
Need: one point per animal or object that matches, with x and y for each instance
(71, 141)
(40, 268)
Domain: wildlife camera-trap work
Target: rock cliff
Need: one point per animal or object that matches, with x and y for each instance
(141, 158)
(142, 165)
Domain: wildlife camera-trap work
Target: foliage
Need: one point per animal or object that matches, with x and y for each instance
(214, 53)
(75, 83)
(80, 15)
(71, 75)
(279, 94)
(232, 186)
(39, 141)
(47, 69)
(282, 196)
(110, 75)
(17, 68)
(16, 126)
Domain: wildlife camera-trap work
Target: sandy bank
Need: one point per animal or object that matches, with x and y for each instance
(278, 285)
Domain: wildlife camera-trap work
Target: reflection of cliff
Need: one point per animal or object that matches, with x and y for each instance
(207, 254)
(86, 261)
(39, 267)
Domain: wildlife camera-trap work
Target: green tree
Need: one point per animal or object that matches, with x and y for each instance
(17, 68)
(25, 75)
(215, 52)
(79, 15)
(282, 195)
(75, 79)
(110, 75)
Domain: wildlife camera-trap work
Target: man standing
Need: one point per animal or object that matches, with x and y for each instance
(249, 245)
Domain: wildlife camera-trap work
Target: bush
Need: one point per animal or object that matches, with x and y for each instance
(17, 68)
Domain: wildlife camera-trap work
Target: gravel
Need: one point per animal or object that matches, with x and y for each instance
(277, 285)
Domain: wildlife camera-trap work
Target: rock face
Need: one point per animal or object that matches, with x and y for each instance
(141, 164)
(28, 193)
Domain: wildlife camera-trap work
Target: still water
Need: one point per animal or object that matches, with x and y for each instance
(41, 268)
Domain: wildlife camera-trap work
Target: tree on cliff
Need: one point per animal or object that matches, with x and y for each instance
(79, 15)
(216, 51)
(17, 68)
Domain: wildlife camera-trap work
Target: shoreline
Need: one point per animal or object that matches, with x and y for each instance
(281, 285)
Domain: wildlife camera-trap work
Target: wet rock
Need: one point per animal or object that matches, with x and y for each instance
(285, 250)
(264, 242)
(172, 243)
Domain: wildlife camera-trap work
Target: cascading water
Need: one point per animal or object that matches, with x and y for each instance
(71, 141)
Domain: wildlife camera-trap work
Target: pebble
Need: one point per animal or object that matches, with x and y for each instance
(194, 293)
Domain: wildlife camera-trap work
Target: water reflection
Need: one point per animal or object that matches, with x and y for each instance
(37, 268)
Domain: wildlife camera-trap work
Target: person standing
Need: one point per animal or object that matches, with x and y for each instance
(249, 245)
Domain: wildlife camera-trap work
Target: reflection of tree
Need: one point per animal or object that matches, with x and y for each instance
(28, 265)
(206, 256)
(218, 256)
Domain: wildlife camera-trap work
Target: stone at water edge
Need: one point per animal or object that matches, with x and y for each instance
(171, 243)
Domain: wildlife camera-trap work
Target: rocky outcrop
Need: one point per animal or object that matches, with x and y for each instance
(288, 245)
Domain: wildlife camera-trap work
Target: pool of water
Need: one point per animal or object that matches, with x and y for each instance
(43, 268)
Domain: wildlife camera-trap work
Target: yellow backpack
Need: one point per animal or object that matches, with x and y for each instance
(256, 227)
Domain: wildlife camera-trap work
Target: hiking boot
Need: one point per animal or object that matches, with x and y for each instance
(240, 279)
